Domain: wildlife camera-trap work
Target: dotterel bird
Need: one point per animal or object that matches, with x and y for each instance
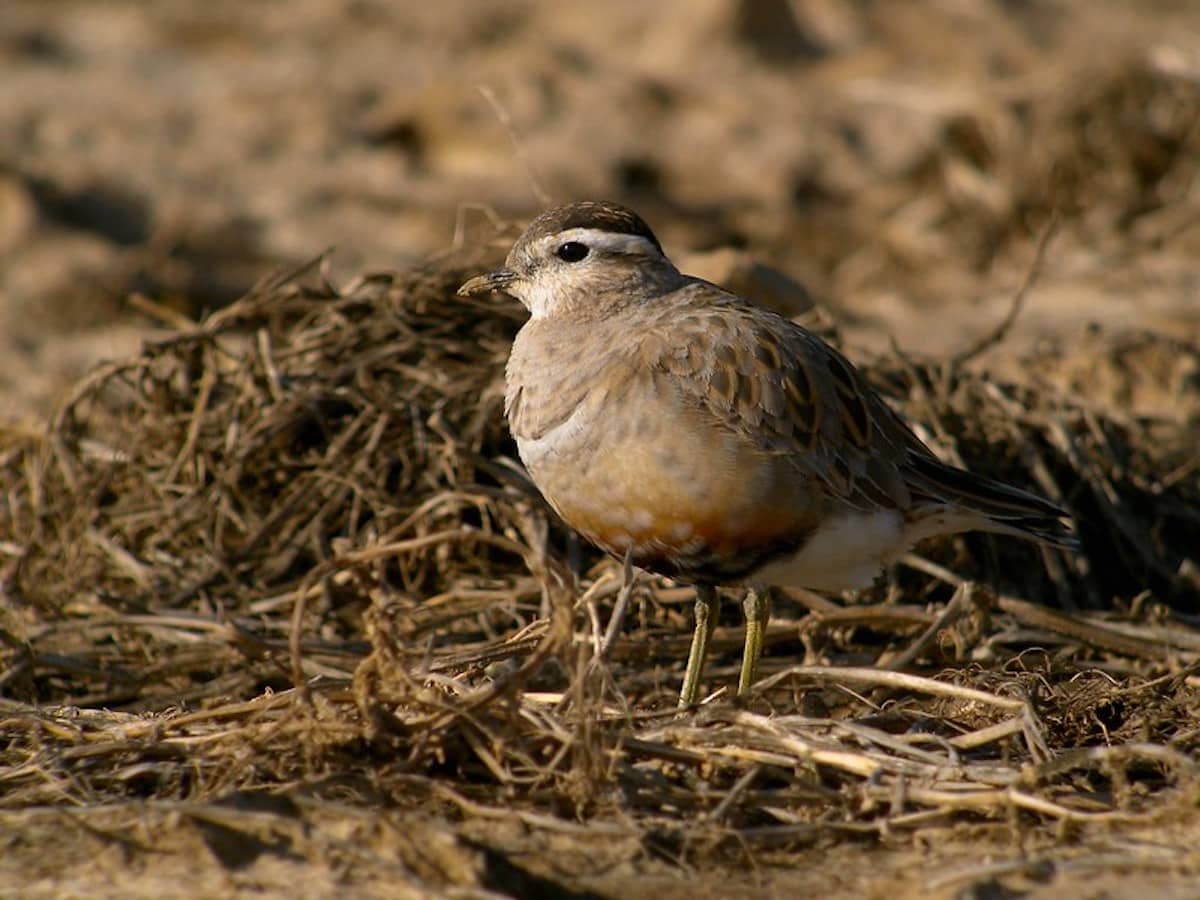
(705, 438)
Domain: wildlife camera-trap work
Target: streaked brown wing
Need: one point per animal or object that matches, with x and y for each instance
(782, 388)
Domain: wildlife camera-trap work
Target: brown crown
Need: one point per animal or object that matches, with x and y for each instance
(599, 214)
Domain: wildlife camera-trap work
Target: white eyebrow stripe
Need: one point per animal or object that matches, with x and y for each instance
(608, 241)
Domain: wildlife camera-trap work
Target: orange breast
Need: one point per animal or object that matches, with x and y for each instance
(681, 504)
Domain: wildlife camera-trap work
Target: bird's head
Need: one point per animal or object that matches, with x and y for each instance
(584, 255)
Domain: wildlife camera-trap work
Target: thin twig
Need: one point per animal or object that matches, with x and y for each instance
(998, 334)
(505, 119)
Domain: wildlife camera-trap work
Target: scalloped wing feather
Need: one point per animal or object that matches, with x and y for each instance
(782, 388)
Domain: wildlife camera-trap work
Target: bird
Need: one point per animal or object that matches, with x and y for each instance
(684, 429)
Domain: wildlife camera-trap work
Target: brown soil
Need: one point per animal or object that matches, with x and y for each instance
(280, 612)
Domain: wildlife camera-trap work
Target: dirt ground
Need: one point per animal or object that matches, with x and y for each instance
(278, 614)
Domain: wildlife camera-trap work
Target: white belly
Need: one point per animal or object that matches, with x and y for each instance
(846, 552)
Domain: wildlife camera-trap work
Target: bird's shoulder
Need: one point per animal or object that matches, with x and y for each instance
(783, 388)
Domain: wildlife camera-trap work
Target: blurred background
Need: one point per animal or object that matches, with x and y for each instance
(900, 160)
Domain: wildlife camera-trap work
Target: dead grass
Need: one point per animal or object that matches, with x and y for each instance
(286, 553)
(276, 590)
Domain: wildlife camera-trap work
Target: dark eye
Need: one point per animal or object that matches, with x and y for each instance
(572, 251)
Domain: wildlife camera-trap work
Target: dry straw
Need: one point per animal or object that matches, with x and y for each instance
(287, 551)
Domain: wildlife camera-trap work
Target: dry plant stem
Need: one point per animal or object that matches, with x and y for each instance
(1030, 729)
(593, 611)
(955, 610)
(187, 453)
(628, 580)
(164, 314)
(931, 411)
(989, 735)
(501, 112)
(879, 615)
(555, 639)
(601, 588)
(1072, 626)
(1109, 500)
(534, 820)
(896, 772)
(812, 601)
(898, 680)
(740, 787)
(1018, 301)
(1109, 757)
(1080, 629)
(374, 554)
(803, 748)
(296, 635)
(1007, 798)
(460, 230)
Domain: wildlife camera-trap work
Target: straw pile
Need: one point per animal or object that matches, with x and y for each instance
(286, 554)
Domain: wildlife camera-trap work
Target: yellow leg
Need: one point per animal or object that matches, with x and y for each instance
(757, 606)
(707, 605)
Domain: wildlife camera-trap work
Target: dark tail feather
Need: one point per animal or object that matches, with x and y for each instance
(1009, 509)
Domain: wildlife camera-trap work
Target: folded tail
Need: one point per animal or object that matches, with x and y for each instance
(989, 505)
